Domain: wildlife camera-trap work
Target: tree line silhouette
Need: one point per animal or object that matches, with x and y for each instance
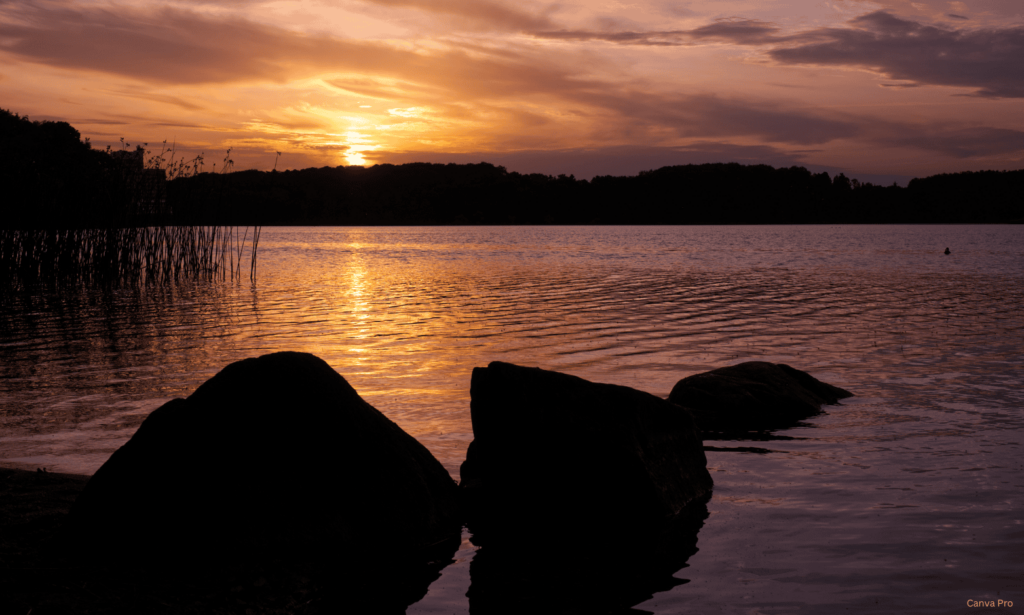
(451, 194)
(51, 177)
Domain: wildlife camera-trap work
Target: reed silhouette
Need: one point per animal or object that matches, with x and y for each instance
(75, 213)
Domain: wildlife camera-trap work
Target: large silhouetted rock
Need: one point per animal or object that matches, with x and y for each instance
(604, 470)
(753, 396)
(273, 455)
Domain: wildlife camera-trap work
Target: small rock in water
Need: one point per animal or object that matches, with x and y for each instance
(753, 396)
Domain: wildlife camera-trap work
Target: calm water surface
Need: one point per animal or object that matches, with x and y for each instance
(906, 498)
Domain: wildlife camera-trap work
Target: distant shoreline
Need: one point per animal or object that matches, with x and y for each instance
(421, 194)
(53, 179)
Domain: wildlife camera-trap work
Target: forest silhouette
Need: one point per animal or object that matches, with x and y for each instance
(52, 178)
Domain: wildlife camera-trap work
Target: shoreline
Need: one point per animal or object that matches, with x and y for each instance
(39, 574)
(33, 506)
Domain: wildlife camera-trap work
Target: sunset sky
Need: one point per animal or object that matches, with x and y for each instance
(880, 90)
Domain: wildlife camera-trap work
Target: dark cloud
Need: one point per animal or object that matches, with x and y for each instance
(987, 60)
(720, 117)
(738, 31)
(955, 16)
(661, 39)
(997, 10)
(89, 121)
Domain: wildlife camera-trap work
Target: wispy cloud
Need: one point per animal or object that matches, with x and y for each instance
(664, 39)
(737, 31)
(175, 46)
(480, 13)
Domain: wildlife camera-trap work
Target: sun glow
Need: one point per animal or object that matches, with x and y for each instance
(358, 143)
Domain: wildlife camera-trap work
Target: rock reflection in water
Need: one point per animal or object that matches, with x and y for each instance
(581, 577)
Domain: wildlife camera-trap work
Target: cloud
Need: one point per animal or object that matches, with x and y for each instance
(501, 94)
(667, 38)
(711, 116)
(987, 60)
(93, 121)
(995, 11)
(738, 31)
(161, 98)
(175, 46)
(491, 15)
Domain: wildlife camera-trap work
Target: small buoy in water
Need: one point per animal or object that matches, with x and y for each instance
(947, 250)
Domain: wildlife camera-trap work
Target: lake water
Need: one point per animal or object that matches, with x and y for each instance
(906, 498)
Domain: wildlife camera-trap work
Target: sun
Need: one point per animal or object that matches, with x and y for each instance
(358, 144)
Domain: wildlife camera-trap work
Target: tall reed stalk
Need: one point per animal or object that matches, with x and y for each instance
(146, 253)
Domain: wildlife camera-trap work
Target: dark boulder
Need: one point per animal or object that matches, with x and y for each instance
(612, 478)
(753, 396)
(605, 469)
(273, 456)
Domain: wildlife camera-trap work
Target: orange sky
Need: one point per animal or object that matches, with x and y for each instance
(878, 90)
